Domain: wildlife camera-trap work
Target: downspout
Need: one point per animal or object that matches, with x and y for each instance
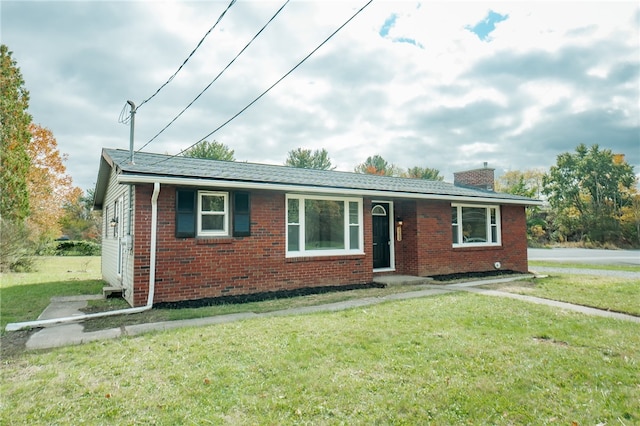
(15, 326)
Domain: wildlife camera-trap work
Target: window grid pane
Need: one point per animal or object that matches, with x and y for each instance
(212, 213)
(213, 203)
(293, 238)
(354, 237)
(324, 225)
(213, 223)
(354, 214)
(475, 225)
(293, 211)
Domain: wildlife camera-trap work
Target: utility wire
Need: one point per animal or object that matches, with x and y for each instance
(190, 55)
(270, 87)
(216, 78)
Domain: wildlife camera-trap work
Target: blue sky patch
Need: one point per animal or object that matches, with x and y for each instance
(483, 28)
(388, 24)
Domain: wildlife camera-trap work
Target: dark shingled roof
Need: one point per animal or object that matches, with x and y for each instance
(159, 165)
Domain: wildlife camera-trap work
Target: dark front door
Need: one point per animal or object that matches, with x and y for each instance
(381, 240)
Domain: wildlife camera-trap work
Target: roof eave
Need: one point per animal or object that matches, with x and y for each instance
(216, 183)
(102, 183)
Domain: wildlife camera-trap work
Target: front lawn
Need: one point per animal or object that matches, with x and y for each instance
(25, 295)
(457, 358)
(603, 292)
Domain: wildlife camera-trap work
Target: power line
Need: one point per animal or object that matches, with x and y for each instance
(270, 87)
(216, 78)
(190, 55)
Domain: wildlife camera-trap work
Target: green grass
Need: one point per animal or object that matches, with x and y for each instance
(25, 295)
(157, 315)
(457, 358)
(552, 264)
(452, 359)
(609, 293)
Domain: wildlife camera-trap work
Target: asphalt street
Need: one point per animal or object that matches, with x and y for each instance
(587, 256)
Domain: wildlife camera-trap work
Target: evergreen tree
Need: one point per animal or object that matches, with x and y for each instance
(305, 159)
(426, 173)
(211, 150)
(14, 140)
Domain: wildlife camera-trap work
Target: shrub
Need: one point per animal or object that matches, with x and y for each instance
(77, 248)
(15, 251)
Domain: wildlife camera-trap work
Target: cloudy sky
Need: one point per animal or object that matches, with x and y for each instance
(447, 85)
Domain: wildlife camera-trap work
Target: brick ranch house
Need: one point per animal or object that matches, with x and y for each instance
(185, 229)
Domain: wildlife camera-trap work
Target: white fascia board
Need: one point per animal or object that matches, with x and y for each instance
(302, 189)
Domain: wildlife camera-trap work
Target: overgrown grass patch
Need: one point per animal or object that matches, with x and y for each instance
(609, 293)
(452, 359)
(25, 295)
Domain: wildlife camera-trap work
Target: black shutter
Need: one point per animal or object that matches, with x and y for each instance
(186, 210)
(241, 214)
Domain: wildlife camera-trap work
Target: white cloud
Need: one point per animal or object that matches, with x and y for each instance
(552, 75)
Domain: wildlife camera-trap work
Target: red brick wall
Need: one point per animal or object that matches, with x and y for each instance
(479, 178)
(195, 268)
(406, 250)
(427, 245)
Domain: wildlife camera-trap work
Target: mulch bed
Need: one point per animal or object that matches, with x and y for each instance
(474, 275)
(259, 297)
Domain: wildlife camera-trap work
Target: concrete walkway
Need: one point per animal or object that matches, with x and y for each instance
(73, 334)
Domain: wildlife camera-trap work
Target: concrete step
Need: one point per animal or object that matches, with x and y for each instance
(112, 291)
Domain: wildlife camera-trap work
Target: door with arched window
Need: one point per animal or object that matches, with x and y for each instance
(380, 213)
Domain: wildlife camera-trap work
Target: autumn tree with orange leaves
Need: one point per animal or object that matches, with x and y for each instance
(50, 187)
(376, 165)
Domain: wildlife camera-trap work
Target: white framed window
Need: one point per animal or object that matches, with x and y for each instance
(323, 226)
(213, 213)
(475, 225)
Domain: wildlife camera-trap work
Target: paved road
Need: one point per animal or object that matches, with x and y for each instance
(587, 256)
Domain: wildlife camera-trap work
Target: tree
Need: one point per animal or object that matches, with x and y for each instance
(50, 188)
(424, 173)
(305, 159)
(14, 140)
(587, 191)
(79, 222)
(630, 220)
(211, 150)
(525, 184)
(377, 165)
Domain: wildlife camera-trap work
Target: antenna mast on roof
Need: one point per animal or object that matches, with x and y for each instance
(132, 126)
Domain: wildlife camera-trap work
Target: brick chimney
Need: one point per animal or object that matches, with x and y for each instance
(478, 178)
